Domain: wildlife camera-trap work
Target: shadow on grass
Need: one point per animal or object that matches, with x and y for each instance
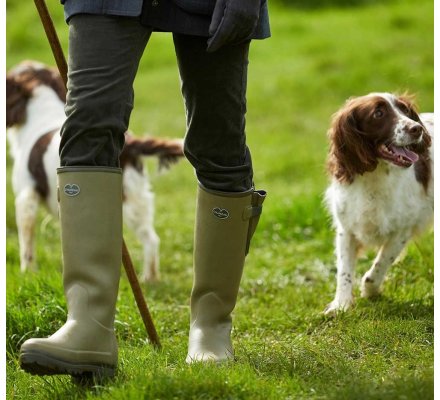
(387, 308)
(407, 387)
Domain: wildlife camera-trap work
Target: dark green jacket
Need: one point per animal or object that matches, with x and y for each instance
(191, 17)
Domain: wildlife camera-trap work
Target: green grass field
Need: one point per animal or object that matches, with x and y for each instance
(285, 348)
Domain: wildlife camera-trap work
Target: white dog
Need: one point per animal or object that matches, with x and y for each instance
(382, 168)
(35, 98)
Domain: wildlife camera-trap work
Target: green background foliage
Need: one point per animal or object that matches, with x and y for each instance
(318, 56)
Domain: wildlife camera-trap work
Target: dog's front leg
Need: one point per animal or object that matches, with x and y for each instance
(388, 253)
(26, 209)
(346, 249)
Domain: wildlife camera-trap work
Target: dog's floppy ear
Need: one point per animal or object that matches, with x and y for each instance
(17, 96)
(350, 151)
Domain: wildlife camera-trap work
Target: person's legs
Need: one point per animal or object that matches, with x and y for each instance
(228, 208)
(104, 53)
(214, 91)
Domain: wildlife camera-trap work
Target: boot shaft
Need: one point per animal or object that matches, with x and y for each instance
(90, 200)
(225, 223)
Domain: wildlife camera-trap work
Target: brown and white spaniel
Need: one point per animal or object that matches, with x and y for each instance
(381, 163)
(35, 97)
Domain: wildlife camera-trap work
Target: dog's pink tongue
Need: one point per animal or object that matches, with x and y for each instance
(405, 153)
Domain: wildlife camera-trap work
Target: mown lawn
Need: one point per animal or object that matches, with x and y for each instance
(285, 348)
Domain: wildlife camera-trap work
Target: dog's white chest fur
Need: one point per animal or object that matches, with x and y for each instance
(377, 205)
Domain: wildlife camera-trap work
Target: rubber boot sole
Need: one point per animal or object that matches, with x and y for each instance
(38, 363)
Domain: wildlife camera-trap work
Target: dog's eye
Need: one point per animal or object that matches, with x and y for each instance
(378, 113)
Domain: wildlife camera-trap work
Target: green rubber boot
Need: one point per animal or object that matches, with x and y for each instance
(90, 203)
(225, 223)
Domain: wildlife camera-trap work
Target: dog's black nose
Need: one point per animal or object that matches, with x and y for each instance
(415, 130)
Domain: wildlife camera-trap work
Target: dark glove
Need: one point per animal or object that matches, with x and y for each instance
(233, 22)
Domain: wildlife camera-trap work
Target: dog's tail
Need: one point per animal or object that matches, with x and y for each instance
(168, 151)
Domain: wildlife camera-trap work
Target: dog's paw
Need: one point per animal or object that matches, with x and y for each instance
(337, 306)
(369, 287)
(30, 266)
(150, 273)
(149, 276)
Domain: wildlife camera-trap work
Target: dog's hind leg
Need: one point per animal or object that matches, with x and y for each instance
(387, 255)
(26, 209)
(150, 242)
(138, 209)
(137, 220)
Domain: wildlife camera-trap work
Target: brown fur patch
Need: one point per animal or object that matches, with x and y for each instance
(354, 136)
(168, 151)
(21, 81)
(423, 170)
(36, 165)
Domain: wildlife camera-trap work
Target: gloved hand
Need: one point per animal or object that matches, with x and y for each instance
(233, 22)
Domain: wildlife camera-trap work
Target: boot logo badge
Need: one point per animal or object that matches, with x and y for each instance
(71, 189)
(220, 212)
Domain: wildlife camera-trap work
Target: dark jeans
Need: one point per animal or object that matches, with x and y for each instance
(104, 54)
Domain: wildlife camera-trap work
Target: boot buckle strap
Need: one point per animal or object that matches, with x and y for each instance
(252, 212)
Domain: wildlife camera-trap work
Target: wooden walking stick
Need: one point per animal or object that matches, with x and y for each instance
(126, 259)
